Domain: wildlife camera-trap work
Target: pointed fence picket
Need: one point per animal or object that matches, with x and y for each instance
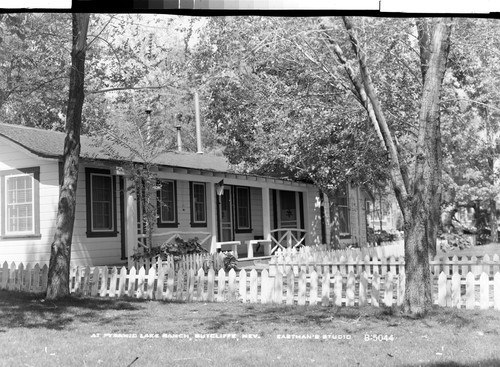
(333, 262)
(308, 287)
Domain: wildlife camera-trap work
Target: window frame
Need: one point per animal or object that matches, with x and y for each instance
(160, 222)
(239, 228)
(91, 232)
(34, 172)
(194, 222)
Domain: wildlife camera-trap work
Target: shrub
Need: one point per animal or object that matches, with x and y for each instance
(377, 237)
(177, 249)
(455, 241)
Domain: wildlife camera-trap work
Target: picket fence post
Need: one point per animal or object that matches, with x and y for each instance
(158, 282)
(325, 288)
(496, 291)
(290, 287)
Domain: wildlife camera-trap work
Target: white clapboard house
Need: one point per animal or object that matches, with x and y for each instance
(203, 198)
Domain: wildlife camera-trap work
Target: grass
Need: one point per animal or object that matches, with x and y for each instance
(92, 332)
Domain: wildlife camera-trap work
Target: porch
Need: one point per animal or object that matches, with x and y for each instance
(252, 250)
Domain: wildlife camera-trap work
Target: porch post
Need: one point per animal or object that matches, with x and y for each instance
(131, 221)
(266, 216)
(212, 215)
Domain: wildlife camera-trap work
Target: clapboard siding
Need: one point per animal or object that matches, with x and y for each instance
(357, 218)
(312, 217)
(94, 251)
(97, 251)
(85, 251)
(256, 218)
(256, 207)
(32, 250)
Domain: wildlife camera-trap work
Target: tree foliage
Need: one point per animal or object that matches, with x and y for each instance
(274, 110)
(34, 68)
(471, 129)
(311, 96)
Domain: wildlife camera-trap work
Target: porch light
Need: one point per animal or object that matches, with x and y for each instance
(219, 188)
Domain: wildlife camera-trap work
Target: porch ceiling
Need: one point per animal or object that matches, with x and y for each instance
(233, 176)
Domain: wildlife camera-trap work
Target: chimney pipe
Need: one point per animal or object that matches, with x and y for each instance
(179, 140)
(198, 123)
(148, 126)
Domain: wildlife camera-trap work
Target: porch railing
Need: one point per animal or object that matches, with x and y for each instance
(166, 237)
(285, 238)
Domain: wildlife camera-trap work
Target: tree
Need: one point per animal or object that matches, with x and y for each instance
(313, 58)
(34, 65)
(137, 139)
(60, 256)
(471, 130)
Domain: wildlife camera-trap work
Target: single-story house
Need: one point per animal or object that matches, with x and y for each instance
(203, 197)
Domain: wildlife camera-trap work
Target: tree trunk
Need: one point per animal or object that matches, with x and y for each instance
(60, 255)
(420, 213)
(493, 221)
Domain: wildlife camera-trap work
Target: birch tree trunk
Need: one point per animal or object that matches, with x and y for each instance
(420, 211)
(60, 254)
(418, 195)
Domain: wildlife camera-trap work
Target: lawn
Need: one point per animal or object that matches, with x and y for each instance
(120, 332)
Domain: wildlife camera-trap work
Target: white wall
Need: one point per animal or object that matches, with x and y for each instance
(93, 251)
(357, 217)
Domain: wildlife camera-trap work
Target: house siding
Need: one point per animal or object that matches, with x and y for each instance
(84, 251)
(31, 250)
(96, 251)
(257, 219)
(312, 217)
(357, 217)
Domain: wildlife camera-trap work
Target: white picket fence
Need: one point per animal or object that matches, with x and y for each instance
(319, 252)
(462, 291)
(331, 263)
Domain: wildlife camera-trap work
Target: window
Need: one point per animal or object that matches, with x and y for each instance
(198, 204)
(341, 203)
(101, 206)
(20, 202)
(288, 209)
(167, 204)
(243, 216)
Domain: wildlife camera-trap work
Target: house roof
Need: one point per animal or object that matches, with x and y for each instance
(50, 144)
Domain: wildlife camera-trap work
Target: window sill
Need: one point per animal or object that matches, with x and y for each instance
(246, 230)
(345, 236)
(101, 234)
(167, 225)
(198, 225)
(21, 237)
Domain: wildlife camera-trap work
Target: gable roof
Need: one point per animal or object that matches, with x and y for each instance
(50, 144)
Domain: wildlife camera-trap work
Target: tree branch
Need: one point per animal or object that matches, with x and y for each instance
(400, 179)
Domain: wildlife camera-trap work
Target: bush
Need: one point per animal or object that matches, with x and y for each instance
(377, 237)
(455, 241)
(177, 249)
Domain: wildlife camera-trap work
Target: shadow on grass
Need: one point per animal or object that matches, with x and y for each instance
(28, 310)
(492, 362)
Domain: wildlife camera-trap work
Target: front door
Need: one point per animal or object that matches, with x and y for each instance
(226, 215)
(288, 209)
